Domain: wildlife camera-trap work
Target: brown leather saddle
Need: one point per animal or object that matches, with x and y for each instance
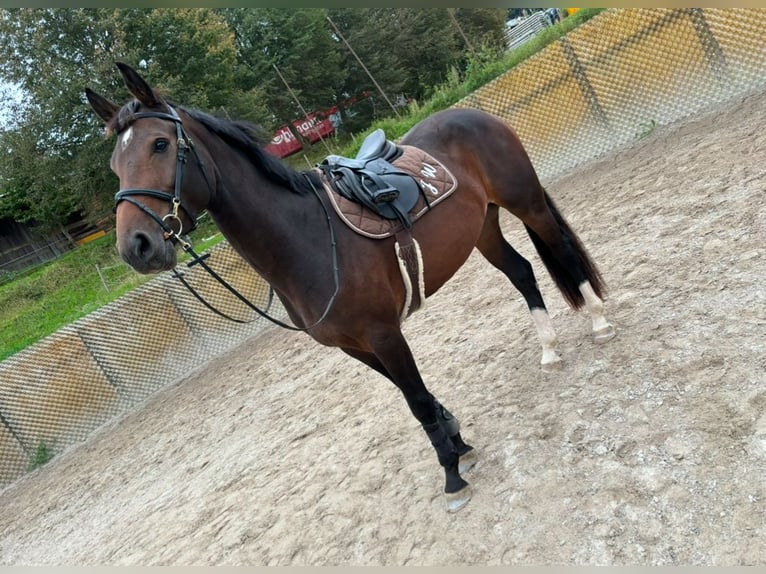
(386, 186)
(373, 180)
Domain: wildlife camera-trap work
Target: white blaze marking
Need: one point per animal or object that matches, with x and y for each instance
(126, 137)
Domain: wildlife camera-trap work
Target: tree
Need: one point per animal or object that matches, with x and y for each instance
(55, 160)
(484, 28)
(299, 44)
(409, 52)
(366, 36)
(52, 54)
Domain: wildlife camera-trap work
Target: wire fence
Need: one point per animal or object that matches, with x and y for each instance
(22, 260)
(613, 79)
(56, 392)
(606, 84)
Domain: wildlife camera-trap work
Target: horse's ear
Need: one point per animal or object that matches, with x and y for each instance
(137, 86)
(103, 107)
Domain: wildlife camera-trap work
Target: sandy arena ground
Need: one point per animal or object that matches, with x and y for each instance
(648, 450)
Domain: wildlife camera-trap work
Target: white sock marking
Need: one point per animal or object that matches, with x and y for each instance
(595, 306)
(547, 336)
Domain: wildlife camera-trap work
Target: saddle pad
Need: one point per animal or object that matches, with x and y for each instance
(436, 181)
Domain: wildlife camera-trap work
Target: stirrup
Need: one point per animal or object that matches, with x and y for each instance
(385, 195)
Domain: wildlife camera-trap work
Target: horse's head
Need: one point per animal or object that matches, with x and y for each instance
(157, 202)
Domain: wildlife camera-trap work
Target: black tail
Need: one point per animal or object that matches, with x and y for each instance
(567, 282)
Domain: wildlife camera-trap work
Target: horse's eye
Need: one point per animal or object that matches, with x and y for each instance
(161, 145)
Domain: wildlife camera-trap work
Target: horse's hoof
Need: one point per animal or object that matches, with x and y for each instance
(552, 366)
(467, 461)
(604, 334)
(457, 500)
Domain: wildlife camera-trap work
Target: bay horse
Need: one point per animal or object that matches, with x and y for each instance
(276, 218)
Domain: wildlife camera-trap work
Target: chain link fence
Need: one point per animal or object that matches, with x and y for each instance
(612, 80)
(606, 84)
(56, 392)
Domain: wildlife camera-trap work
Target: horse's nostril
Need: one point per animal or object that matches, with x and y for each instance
(146, 252)
(141, 245)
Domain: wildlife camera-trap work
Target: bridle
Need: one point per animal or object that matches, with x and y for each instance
(185, 143)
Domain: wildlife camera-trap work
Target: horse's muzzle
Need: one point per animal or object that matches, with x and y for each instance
(147, 252)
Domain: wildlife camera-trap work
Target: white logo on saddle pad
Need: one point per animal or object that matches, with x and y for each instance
(428, 170)
(431, 187)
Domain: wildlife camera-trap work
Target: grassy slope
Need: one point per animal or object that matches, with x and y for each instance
(74, 285)
(58, 293)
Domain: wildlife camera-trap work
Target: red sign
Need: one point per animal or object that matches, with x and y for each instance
(313, 127)
(283, 143)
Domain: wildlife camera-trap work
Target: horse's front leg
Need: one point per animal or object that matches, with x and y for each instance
(393, 358)
(466, 453)
(451, 425)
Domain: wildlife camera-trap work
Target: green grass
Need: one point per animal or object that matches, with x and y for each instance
(42, 455)
(38, 303)
(645, 129)
(60, 292)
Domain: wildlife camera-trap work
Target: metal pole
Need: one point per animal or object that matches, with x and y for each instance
(101, 276)
(459, 29)
(382, 93)
(299, 104)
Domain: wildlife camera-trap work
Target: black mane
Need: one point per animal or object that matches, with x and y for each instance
(241, 134)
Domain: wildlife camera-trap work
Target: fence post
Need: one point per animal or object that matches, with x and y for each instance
(14, 434)
(101, 276)
(713, 53)
(578, 70)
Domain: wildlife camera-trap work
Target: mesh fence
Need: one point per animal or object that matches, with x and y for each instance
(604, 85)
(611, 80)
(55, 393)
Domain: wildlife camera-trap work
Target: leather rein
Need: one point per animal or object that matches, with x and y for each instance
(184, 143)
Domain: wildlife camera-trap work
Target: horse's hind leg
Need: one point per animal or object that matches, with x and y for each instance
(466, 453)
(603, 330)
(569, 264)
(393, 358)
(499, 253)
